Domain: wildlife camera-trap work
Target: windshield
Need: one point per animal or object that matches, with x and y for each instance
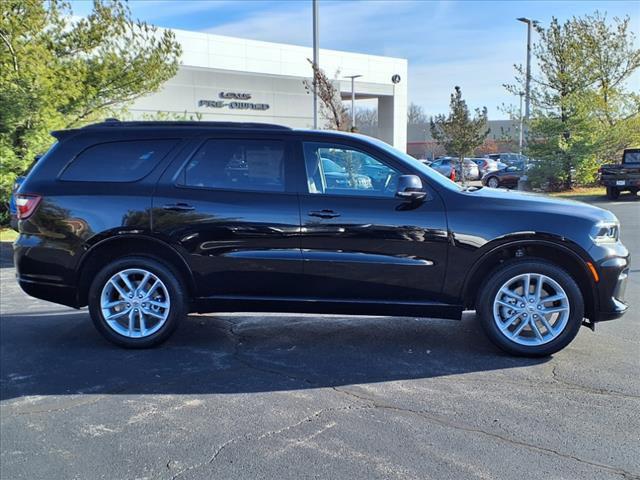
(631, 156)
(418, 165)
(331, 166)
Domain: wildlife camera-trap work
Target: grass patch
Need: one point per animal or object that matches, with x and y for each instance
(581, 192)
(8, 235)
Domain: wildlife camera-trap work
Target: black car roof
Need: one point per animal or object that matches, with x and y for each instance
(114, 125)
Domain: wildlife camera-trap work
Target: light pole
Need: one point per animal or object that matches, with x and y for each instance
(316, 59)
(521, 135)
(527, 90)
(353, 99)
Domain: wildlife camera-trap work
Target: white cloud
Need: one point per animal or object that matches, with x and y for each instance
(470, 44)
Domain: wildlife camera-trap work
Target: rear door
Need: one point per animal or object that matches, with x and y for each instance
(230, 209)
(511, 176)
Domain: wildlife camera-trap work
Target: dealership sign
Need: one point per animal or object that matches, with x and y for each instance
(236, 102)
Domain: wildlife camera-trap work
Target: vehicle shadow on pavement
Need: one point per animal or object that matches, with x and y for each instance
(60, 353)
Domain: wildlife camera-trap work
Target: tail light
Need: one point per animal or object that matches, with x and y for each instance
(26, 204)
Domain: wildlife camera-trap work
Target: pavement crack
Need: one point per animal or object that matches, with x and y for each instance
(584, 388)
(372, 403)
(242, 358)
(261, 436)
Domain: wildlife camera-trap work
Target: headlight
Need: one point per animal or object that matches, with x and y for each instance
(605, 232)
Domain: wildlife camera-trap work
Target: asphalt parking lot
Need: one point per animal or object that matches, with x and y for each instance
(309, 396)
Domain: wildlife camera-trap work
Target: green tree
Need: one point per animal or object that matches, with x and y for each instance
(583, 111)
(59, 71)
(458, 132)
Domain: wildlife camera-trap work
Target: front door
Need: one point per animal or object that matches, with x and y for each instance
(230, 210)
(359, 242)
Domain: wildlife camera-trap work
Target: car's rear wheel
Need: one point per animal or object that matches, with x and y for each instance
(136, 302)
(531, 308)
(613, 193)
(493, 182)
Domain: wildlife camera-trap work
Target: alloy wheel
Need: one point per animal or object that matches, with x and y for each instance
(531, 309)
(135, 303)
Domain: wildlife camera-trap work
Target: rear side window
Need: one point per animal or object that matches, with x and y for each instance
(237, 165)
(118, 161)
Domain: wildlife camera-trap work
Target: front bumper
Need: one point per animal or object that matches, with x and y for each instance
(614, 273)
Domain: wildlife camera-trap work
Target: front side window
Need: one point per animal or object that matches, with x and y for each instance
(339, 170)
(237, 165)
(126, 161)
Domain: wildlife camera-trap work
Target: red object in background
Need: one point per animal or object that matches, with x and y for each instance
(453, 175)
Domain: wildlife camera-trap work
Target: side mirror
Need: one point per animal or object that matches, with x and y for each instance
(410, 188)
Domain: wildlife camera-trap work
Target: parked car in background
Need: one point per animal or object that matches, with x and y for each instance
(508, 158)
(487, 165)
(623, 176)
(337, 177)
(507, 177)
(445, 165)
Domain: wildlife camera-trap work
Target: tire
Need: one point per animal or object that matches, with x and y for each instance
(157, 306)
(564, 321)
(493, 182)
(613, 193)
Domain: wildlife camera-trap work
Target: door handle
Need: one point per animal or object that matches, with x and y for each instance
(178, 207)
(324, 214)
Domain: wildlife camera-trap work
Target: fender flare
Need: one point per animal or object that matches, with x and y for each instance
(578, 254)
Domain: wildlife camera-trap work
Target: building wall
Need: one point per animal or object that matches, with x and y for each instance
(272, 74)
(288, 102)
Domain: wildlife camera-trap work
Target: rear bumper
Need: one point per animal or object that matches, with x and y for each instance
(617, 182)
(41, 270)
(51, 292)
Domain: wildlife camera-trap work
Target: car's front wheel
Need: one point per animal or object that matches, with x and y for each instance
(531, 308)
(493, 182)
(136, 302)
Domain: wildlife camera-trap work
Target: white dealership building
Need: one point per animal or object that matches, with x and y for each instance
(234, 79)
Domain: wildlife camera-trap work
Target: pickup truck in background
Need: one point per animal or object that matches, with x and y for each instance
(623, 176)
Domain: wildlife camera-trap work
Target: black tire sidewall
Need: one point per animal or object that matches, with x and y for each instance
(489, 182)
(511, 269)
(171, 281)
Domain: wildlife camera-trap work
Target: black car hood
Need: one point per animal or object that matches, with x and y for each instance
(526, 201)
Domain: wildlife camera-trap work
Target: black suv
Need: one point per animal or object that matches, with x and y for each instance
(147, 221)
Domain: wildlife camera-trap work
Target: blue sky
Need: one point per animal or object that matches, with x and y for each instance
(473, 44)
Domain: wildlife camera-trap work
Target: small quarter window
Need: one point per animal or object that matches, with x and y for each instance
(126, 161)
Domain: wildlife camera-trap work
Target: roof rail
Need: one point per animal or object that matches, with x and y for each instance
(114, 122)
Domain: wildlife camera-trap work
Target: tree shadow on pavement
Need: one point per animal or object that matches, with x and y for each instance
(60, 353)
